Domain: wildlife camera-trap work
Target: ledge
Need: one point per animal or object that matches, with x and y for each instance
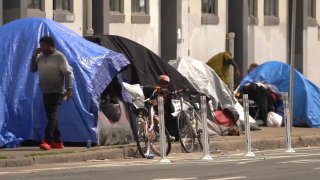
(312, 22)
(209, 19)
(116, 17)
(36, 13)
(63, 16)
(271, 21)
(253, 20)
(140, 18)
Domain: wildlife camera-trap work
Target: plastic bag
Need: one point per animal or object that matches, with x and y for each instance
(274, 120)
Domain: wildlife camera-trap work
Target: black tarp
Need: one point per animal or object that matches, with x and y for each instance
(146, 66)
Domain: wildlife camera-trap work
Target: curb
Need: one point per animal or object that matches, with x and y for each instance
(126, 152)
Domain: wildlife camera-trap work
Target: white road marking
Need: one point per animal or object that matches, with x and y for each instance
(246, 162)
(301, 161)
(177, 179)
(230, 178)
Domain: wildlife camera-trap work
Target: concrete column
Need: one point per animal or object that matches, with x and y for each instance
(230, 49)
(301, 32)
(238, 23)
(170, 23)
(89, 30)
(100, 13)
(1, 12)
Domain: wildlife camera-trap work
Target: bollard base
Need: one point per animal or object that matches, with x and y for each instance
(290, 151)
(164, 161)
(249, 154)
(207, 158)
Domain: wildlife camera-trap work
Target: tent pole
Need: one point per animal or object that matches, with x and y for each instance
(292, 58)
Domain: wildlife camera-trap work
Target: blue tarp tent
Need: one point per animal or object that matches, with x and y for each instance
(7, 139)
(94, 67)
(306, 94)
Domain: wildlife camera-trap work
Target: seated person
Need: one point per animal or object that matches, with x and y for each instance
(163, 88)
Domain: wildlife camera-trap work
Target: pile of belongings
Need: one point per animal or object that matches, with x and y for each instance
(266, 100)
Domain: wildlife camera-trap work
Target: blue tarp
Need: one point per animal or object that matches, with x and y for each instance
(306, 94)
(7, 139)
(94, 67)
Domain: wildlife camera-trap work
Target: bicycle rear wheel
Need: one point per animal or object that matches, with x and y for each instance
(141, 138)
(185, 132)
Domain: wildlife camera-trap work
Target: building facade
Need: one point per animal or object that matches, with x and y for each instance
(192, 28)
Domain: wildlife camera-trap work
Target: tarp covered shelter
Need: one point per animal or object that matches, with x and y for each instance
(306, 99)
(145, 66)
(94, 67)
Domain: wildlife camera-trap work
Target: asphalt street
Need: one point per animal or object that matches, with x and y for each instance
(273, 165)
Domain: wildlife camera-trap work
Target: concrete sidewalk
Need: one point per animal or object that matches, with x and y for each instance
(269, 138)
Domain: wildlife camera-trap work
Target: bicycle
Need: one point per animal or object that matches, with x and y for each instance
(189, 122)
(148, 136)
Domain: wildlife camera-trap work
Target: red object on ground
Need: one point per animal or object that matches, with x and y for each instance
(56, 145)
(223, 119)
(45, 146)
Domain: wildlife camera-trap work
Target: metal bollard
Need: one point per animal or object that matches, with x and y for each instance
(162, 131)
(249, 152)
(205, 134)
(288, 124)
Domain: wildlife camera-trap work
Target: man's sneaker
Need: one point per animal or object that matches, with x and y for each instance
(57, 145)
(45, 146)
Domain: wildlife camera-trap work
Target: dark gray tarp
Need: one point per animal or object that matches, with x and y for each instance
(146, 66)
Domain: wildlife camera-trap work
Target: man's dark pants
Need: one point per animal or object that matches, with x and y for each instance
(52, 103)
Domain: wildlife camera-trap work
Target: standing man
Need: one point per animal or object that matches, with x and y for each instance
(221, 63)
(55, 84)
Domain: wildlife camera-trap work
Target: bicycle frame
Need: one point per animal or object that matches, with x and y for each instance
(147, 130)
(151, 114)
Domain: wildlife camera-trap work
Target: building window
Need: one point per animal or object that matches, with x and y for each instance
(115, 5)
(312, 15)
(271, 7)
(209, 6)
(140, 11)
(63, 10)
(62, 5)
(312, 8)
(116, 11)
(271, 12)
(34, 4)
(253, 12)
(209, 10)
(139, 6)
(35, 8)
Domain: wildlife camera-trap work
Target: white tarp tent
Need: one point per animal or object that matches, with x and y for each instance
(206, 81)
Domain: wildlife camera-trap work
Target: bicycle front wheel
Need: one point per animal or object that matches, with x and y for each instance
(197, 127)
(185, 132)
